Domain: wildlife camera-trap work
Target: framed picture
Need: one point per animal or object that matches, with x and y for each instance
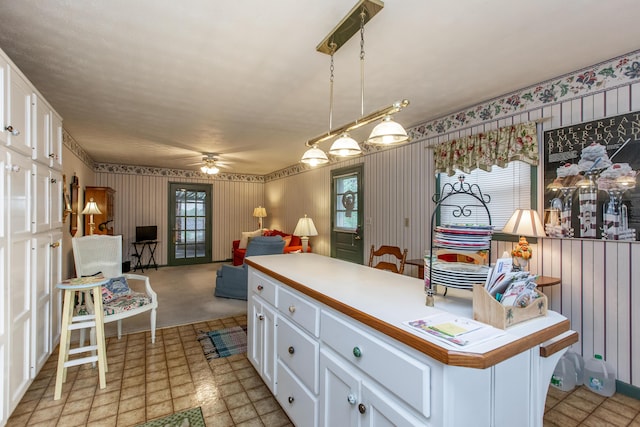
(590, 179)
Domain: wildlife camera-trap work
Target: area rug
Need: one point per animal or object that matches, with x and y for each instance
(223, 342)
(189, 418)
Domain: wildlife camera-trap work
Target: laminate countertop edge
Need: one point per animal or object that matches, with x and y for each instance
(444, 355)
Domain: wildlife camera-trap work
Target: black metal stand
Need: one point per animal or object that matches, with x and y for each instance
(139, 248)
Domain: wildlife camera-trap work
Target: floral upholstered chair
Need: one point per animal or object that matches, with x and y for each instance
(102, 254)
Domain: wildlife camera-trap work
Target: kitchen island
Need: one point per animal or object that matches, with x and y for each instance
(328, 338)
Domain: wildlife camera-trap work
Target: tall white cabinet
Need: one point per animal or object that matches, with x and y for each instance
(30, 233)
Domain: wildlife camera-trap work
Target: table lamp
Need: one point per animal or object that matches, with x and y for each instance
(91, 208)
(259, 213)
(304, 229)
(525, 223)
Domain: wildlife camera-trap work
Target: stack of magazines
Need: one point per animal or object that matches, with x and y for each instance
(511, 288)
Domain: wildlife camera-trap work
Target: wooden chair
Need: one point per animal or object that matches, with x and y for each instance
(390, 251)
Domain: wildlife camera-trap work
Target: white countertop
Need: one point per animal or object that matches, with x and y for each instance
(389, 297)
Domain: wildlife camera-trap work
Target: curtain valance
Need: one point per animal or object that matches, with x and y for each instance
(481, 151)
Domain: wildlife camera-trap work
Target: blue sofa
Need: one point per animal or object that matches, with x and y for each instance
(231, 281)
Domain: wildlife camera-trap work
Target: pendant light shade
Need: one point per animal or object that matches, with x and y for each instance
(314, 156)
(345, 146)
(388, 132)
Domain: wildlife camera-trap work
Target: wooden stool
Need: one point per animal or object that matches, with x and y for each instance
(71, 322)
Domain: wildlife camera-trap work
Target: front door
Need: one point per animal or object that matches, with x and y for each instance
(189, 223)
(347, 214)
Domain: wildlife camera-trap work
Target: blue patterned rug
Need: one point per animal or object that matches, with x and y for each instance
(224, 342)
(189, 418)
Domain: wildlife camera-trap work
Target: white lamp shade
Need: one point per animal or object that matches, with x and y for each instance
(388, 132)
(305, 227)
(91, 208)
(345, 146)
(210, 170)
(259, 212)
(314, 156)
(525, 222)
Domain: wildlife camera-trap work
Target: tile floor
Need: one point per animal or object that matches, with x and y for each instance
(148, 381)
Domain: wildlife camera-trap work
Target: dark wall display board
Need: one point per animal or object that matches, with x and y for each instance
(590, 179)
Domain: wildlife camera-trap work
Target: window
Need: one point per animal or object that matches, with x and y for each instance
(509, 189)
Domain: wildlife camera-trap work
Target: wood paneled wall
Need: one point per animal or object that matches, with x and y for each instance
(143, 200)
(600, 280)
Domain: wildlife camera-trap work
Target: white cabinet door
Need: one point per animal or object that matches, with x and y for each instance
(55, 150)
(42, 194)
(379, 409)
(17, 126)
(55, 199)
(55, 277)
(4, 101)
(41, 302)
(18, 194)
(262, 339)
(40, 130)
(4, 291)
(339, 392)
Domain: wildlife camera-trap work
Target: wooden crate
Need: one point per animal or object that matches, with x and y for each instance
(487, 310)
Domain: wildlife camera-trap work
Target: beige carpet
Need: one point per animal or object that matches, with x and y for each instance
(185, 295)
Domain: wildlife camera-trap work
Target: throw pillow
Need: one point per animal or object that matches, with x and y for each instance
(114, 289)
(296, 241)
(287, 240)
(245, 237)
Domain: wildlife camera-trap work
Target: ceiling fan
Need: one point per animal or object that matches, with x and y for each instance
(211, 163)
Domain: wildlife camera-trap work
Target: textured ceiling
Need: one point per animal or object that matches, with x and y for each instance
(158, 82)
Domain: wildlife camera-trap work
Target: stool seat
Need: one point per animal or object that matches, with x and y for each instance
(70, 322)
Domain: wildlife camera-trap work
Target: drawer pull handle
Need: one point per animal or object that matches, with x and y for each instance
(55, 245)
(260, 316)
(260, 287)
(357, 352)
(292, 309)
(361, 408)
(292, 350)
(14, 132)
(54, 181)
(290, 399)
(351, 399)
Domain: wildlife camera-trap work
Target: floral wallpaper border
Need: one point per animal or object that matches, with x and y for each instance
(607, 75)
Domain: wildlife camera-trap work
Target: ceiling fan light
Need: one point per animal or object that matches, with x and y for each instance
(388, 132)
(314, 157)
(345, 146)
(209, 169)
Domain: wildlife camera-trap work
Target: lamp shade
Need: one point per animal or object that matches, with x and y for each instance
(525, 222)
(345, 146)
(387, 132)
(91, 208)
(314, 156)
(305, 227)
(259, 212)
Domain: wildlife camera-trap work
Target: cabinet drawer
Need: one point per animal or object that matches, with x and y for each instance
(299, 310)
(401, 374)
(299, 404)
(263, 286)
(299, 352)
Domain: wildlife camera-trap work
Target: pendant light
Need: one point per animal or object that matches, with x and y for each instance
(314, 157)
(387, 132)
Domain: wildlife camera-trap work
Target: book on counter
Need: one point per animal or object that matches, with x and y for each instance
(455, 330)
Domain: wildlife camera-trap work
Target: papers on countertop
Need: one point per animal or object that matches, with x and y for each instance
(455, 330)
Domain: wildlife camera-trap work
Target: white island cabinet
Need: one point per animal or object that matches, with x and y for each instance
(328, 338)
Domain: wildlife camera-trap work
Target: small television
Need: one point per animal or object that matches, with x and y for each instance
(146, 233)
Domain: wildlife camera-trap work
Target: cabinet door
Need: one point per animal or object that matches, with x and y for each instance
(261, 340)
(55, 149)
(41, 302)
(55, 199)
(339, 392)
(41, 198)
(18, 114)
(18, 193)
(40, 130)
(378, 408)
(55, 277)
(4, 102)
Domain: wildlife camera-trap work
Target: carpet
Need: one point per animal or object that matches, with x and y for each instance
(223, 342)
(189, 418)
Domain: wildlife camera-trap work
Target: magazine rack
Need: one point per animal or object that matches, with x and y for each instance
(470, 193)
(487, 309)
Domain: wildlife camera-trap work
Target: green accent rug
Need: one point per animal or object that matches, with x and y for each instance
(223, 342)
(189, 418)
